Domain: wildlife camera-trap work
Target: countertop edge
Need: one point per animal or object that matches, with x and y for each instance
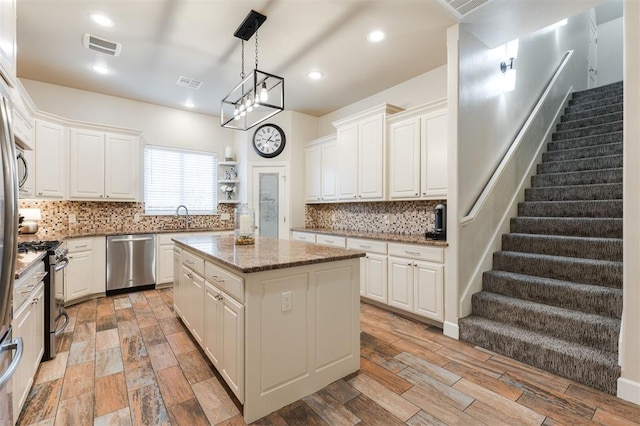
(388, 237)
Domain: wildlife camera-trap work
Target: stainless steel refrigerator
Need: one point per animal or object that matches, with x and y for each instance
(10, 349)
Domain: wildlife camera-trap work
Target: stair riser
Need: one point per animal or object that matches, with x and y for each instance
(598, 90)
(607, 208)
(589, 299)
(568, 193)
(607, 274)
(607, 109)
(599, 129)
(615, 137)
(598, 228)
(577, 178)
(588, 122)
(597, 163)
(584, 106)
(590, 373)
(580, 153)
(581, 98)
(585, 248)
(602, 335)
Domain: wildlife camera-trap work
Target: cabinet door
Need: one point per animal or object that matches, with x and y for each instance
(38, 328)
(404, 159)
(233, 345)
(86, 164)
(328, 154)
(121, 167)
(213, 324)
(313, 167)
(428, 290)
(79, 275)
(28, 189)
(376, 275)
(196, 304)
(434, 155)
(51, 160)
(187, 313)
(347, 162)
(22, 325)
(401, 283)
(371, 158)
(177, 281)
(165, 263)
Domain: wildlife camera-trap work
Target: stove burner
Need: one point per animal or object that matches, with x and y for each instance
(25, 246)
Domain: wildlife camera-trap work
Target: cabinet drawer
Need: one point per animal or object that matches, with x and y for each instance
(432, 254)
(165, 238)
(330, 240)
(303, 236)
(193, 262)
(80, 244)
(369, 246)
(224, 280)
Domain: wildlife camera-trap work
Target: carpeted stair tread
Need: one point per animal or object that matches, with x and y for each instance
(595, 368)
(582, 132)
(586, 298)
(607, 138)
(583, 177)
(600, 90)
(606, 109)
(580, 208)
(606, 273)
(604, 191)
(569, 226)
(592, 330)
(560, 245)
(583, 152)
(583, 105)
(590, 121)
(584, 97)
(595, 163)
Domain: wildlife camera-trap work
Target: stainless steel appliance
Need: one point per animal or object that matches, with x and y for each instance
(10, 349)
(131, 262)
(23, 169)
(440, 225)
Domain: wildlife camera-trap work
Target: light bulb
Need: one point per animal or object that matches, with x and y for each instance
(243, 113)
(241, 107)
(236, 117)
(249, 103)
(264, 95)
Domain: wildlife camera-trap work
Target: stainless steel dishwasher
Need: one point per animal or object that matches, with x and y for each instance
(131, 262)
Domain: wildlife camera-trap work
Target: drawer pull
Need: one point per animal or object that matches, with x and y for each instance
(189, 262)
(415, 253)
(329, 241)
(80, 246)
(364, 246)
(215, 278)
(218, 297)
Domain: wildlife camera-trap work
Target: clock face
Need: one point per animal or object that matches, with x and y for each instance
(268, 140)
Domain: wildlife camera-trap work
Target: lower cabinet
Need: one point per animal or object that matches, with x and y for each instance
(193, 298)
(85, 274)
(177, 280)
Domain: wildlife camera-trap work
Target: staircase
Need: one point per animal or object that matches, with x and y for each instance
(554, 297)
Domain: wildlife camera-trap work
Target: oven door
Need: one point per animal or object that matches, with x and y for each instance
(59, 318)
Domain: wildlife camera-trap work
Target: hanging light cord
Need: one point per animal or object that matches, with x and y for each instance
(256, 46)
(242, 69)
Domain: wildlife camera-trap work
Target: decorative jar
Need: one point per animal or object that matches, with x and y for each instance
(244, 225)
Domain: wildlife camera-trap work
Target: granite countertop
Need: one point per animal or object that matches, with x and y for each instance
(25, 261)
(266, 254)
(384, 236)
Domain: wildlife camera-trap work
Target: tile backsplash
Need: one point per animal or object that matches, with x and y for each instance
(396, 217)
(98, 217)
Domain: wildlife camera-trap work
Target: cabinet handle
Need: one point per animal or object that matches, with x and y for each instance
(416, 193)
(83, 245)
(107, 196)
(39, 193)
(100, 195)
(413, 253)
(410, 264)
(218, 297)
(363, 246)
(189, 262)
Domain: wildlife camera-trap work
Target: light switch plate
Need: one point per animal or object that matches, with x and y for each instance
(72, 218)
(225, 216)
(286, 301)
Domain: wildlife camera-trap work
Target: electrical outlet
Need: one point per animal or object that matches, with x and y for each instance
(136, 217)
(286, 301)
(225, 216)
(386, 219)
(72, 218)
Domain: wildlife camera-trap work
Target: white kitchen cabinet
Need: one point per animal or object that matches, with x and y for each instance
(102, 165)
(213, 321)
(428, 290)
(320, 167)
(328, 159)
(177, 280)
(373, 268)
(331, 240)
(85, 274)
(8, 41)
(28, 188)
(51, 160)
(305, 237)
(233, 345)
(401, 283)
(23, 128)
(418, 152)
(313, 169)
(165, 259)
(193, 295)
(361, 153)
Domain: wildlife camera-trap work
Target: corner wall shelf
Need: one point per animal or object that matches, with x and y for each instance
(228, 163)
(228, 201)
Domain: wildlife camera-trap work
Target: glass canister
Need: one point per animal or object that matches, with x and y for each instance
(245, 225)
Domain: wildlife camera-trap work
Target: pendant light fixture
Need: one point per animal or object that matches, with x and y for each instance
(260, 95)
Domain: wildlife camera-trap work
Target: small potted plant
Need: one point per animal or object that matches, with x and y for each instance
(228, 190)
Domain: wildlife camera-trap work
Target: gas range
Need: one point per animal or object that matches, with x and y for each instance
(49, 246)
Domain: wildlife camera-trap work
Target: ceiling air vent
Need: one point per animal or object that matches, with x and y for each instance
(191, 83)
(101, 45)
(461, 8)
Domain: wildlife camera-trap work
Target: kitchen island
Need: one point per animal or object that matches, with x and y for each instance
(278, 319)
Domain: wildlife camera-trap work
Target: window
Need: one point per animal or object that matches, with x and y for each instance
(175, 176)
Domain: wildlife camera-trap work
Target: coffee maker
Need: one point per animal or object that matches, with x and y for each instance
(440, 228)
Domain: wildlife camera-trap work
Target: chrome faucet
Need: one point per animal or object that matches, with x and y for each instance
(186, 214)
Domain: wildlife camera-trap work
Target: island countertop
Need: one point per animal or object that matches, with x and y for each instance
(266, 254)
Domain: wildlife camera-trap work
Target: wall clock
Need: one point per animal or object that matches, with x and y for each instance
(269, 140)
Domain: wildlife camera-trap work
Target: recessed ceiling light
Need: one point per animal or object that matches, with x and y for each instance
(189, 104)
(102, 20)
(100, 69)
(376, 36)
(315, 75)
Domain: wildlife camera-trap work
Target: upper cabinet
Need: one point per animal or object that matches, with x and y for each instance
(320, 166)
(361, 154)
(8, 40)
(51, 159)
(418, 153)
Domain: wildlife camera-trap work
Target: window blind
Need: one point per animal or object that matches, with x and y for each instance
(173, 177)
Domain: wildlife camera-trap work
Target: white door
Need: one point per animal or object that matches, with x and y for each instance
(233, 345)
(376, 276)
(433, 179)
(213, 324)
(371, 158)
(592, 59)
(347, 162)
(404, 161)
(79, 275)
(313, 167)
(400, 283)
(51, 160)
(328, 154)
(268, 195)
(428, 290)
(121, 167)
(86, 164)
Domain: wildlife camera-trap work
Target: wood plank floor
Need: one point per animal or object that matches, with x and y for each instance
(127, 360)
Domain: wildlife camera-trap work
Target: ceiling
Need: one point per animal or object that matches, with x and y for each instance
(163, 40)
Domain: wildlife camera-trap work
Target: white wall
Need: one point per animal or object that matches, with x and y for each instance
(159, 125)
(610, 47)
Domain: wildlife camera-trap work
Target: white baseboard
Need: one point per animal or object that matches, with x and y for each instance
(629, 390)
(451, 330)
